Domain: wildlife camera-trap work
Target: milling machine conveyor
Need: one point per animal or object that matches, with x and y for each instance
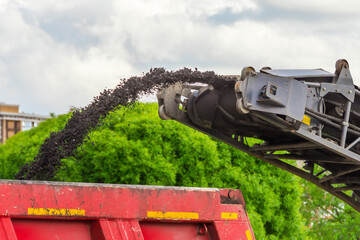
(305, 115)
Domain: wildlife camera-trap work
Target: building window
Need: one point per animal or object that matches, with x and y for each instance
(27, 125)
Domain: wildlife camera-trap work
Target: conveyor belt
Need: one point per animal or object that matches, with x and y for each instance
(310, 116)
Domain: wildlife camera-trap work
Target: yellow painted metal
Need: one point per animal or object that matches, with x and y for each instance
(229, 215)
(56, 212)
(248, 235)
(173, 215)
(306, 120)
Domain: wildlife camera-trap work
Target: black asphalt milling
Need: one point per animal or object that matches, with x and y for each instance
(62, 144)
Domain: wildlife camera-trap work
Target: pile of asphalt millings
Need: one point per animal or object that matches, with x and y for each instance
(62, 144)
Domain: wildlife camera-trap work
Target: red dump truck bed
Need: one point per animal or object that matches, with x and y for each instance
(55, 210)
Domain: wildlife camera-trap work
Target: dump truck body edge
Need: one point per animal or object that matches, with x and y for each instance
(55, 210)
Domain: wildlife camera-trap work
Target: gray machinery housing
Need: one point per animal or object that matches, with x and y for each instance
(306, 115)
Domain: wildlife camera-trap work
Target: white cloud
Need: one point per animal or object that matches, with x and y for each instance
(47, 75)
(328, 7)
(54, 54)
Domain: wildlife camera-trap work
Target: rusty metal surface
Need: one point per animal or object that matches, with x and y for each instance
(103, 185)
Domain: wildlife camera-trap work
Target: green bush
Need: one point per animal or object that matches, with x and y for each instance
(327, 216)
(133, 146)
(24, 146)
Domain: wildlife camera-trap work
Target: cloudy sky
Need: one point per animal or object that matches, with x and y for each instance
(56, 54)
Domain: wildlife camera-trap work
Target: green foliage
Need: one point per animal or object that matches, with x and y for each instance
(133, 146)
(24, 146)
(327, 216)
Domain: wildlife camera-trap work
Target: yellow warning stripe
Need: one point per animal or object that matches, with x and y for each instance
(229, 215)
(56, 212)
(248, 235)
(173, 215)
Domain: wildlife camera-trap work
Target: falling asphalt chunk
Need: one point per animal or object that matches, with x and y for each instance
(62, 144)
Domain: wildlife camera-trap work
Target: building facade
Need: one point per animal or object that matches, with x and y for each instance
(12, 121)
